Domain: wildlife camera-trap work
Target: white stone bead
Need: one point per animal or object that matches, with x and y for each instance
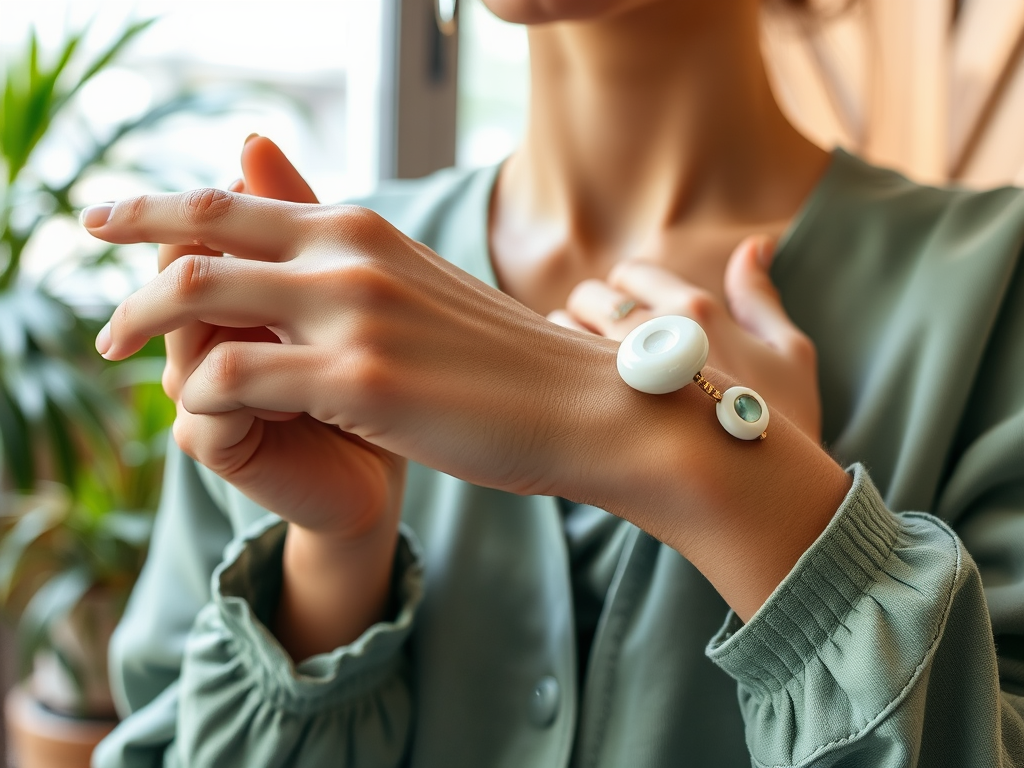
(732, 418)
(663, 354)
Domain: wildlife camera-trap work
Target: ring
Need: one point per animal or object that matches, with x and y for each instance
(622, 310)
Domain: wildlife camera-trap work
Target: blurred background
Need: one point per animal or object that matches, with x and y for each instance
(106, 99)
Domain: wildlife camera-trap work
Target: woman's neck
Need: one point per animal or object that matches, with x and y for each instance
(660, 119)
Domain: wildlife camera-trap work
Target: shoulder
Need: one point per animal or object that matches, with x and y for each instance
(859, 205)
(911, 294)
(873, 234)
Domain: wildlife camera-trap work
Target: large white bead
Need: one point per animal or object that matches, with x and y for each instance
(663, 354)
(743, 413)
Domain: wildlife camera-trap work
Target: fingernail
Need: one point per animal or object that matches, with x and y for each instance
(236, 186)
(249, 138)
(95, 216)
(103, 340)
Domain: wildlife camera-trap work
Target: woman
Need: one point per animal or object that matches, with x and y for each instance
(498, 626)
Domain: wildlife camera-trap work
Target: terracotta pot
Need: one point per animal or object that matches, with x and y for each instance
(39, 738)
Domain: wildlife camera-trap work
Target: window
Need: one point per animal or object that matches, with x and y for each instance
(305, 73)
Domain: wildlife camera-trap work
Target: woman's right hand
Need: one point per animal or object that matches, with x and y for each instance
(311, 474)
(341, 494)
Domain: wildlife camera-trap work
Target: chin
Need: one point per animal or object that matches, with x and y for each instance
(543, 11)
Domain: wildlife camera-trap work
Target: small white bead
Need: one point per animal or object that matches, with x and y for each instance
(663, 354)
(734, 423)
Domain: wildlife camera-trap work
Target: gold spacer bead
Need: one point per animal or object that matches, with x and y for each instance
(708, 387)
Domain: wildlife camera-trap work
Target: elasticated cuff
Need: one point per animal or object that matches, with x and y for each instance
(813, 601)
(848, 633)
(245, 589)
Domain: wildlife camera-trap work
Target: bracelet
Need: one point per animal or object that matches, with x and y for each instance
(667, 353)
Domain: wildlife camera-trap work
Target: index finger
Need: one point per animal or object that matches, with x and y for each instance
(251, 227)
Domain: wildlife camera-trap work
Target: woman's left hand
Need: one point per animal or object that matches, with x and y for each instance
(752, 339)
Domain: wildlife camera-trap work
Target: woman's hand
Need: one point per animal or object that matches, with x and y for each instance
(752, 339)
(310, 474)
(382, 339)
(341, 494)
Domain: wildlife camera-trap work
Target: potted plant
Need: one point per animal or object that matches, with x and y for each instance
(81, 440)
(67, 564)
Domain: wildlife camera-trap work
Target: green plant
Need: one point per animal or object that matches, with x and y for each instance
(81, 440)
(58, 547)
(53, 417)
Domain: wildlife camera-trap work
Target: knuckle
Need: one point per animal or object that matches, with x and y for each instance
(185, 435)
(361, 283)
(360, 224)
(225, 367)
(802, 349)
(203, 206)
(193, 438)
(365, 377)
(133, 210)
(700, 307)
(191, 275)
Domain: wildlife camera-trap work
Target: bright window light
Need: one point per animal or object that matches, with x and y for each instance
(310, 72)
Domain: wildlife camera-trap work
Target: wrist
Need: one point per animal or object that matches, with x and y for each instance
(752, 509)
(630, 448)
(742, 512)
(333, 586)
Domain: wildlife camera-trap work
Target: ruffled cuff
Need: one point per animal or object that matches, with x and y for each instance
(844, 637)
(245, 591)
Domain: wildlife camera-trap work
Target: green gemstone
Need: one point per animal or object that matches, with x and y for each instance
(747, 408)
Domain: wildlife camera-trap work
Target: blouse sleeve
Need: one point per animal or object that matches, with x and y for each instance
(200, 680)
(243, 700)
(877, 649)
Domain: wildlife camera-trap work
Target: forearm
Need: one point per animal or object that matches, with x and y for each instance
(332, 589)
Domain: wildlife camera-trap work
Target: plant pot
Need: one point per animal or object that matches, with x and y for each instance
(39, 738)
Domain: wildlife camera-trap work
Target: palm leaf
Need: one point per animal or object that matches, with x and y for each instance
(29, 102)
(105, 58)
(16, 443)
(33, 95)
(31, 525)
(74, 672)
(62, 445)
(52, 602)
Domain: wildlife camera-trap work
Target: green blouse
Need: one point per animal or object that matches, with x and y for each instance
(897, 639)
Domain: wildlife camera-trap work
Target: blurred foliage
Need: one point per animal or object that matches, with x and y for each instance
(56, 545)
(81, 440)
(53, 416)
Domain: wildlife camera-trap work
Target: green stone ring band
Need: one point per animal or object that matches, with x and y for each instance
(667, 353)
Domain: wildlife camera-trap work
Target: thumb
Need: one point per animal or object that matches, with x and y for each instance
(752, 297)
(268, 173)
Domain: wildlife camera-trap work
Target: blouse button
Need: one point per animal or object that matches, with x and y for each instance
(544, 702)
